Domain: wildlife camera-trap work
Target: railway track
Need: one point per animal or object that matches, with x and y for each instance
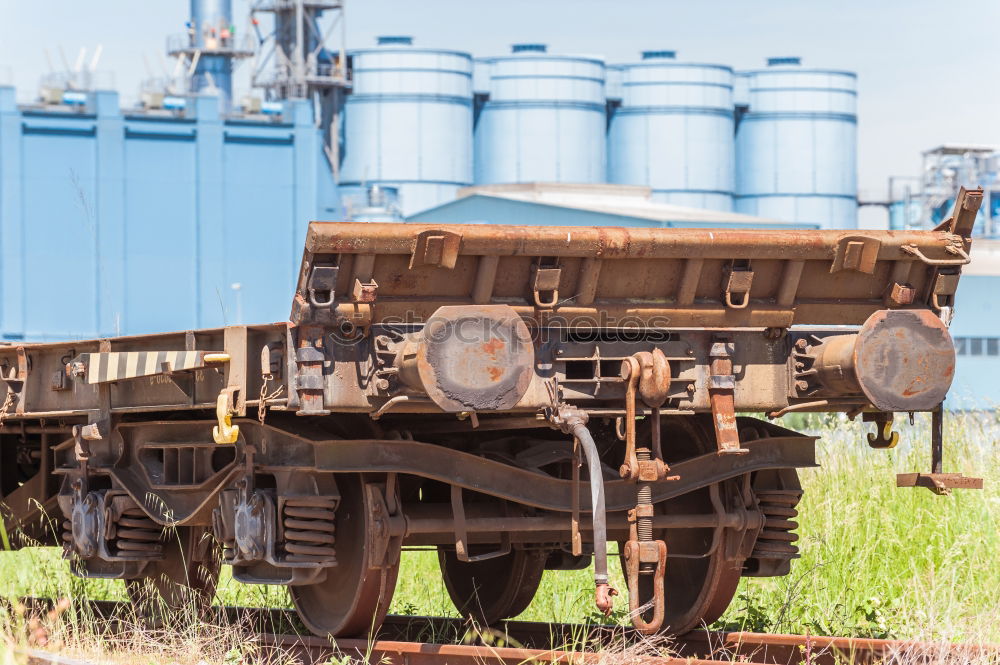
(415, 640)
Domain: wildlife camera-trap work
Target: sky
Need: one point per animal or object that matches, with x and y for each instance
(928, 71)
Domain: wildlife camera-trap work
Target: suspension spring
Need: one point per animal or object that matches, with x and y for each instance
(308, 524)
(776, 540)
(136, 534)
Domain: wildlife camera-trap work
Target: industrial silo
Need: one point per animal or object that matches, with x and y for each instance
(674, 131)
(544, 120)
(408, 123)
(796, 145)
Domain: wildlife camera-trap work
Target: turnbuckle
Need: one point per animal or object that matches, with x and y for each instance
(647, 374)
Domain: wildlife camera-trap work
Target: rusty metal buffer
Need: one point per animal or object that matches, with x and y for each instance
(505, 329)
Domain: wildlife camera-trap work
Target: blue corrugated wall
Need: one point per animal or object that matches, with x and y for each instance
(115, 223)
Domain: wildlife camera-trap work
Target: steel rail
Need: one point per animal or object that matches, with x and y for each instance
(416, 640)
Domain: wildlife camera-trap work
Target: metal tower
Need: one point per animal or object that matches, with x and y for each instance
(295, 61)
(210, 46)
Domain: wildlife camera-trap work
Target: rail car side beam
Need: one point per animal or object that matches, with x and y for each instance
(540, 491)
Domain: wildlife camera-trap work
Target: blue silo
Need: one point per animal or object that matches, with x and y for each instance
(674, 131)
(408, 123)
(796, 146)
(544, 120)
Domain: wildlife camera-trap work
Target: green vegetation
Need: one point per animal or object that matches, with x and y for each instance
(876, 560)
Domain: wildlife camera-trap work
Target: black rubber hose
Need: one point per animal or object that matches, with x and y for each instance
(582, 434)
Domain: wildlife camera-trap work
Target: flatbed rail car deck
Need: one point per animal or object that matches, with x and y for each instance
(514, 396)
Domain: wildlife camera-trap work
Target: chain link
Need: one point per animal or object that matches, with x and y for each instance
(265, 397)
(7, 403)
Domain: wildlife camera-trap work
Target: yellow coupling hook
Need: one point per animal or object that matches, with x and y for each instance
(225, 431)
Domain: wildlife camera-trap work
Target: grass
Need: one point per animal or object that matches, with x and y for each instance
(890, 562)
(877, 561)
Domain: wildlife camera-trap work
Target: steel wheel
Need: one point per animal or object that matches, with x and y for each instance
(355, 596)
(183, 582)
(494, 589)
(696, 590)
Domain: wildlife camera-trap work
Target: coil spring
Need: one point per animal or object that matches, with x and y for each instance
(136, 533)
(776, 538)
(644, 525)
(309, 529)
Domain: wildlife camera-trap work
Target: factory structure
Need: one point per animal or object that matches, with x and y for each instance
(190, 208)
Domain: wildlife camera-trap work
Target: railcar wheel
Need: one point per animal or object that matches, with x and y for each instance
(696, 590)
(494, 589)
(354, 597)
(183, 582)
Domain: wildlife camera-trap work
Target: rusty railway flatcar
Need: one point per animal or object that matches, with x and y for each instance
(516, 397)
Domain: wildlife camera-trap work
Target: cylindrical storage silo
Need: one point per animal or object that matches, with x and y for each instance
(796, 147)
(674, 131)
(544, 121)
(408, 122)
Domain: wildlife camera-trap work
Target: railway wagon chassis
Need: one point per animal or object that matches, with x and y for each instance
(515, 397)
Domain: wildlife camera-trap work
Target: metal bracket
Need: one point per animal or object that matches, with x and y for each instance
(436, 248)
(722, 393)
(365, 291)
(939, 483)
(858, 253)
(322, 287)
(738, 283)
(387, 526)
(963, 215)
(945, 286)
(899, 295)
(545, 280)
(936, 481)
(462, 537)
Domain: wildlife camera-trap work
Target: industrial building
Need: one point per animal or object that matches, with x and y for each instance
(188, 210)
(152, 219)
(558, 204)
(924, 201)
(91, 193)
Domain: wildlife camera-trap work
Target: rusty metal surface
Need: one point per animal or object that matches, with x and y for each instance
(904, 360)
(939, 483)
(685, 276)
(474, 358)
(533, 489)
